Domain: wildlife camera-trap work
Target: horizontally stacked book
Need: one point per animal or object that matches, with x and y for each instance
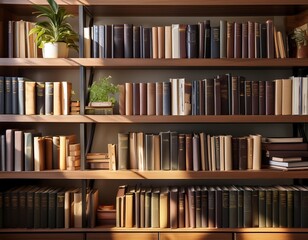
(285, 153)
(228, 40)
(221, 95)
(22, 96)
(46, 207)
(212, 207)
(191, 152)
(28, 150)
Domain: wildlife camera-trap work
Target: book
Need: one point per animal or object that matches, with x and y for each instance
(168, 42)
(230, 40)
(269, 97)
(183, 40)
(207, 39)
(118, 40)
(136, 41)
(192, 41)
(129, 98)
(244, 40)
(48, 98)
(237, 40)
(161, 41)
(122, 151)
(251, 39)
(14, 95)
(223, 38)
(66, 90)
(57, 98)
(270, 39)
(282, 140)
(8, 95)
(165, 150)
(19, 151)
(286, 93)
(151, 98)
(215, 42)
(278, 97)
(128, 40)
(154, 42)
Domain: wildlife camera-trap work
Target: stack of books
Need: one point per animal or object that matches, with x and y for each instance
(75, 108)
(99, 108)
(286, 153)
(98, 161)
(73, 158)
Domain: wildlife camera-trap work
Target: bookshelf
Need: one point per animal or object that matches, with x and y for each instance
(147, 8)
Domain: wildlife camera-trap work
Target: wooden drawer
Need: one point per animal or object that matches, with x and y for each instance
(196, 236)
(122, 236)
(271, 236)
(41, 236)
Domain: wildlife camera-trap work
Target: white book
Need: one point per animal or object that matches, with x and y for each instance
(174, 96)
(305, 96)
(222, 152)
(87, 42)
(175, 41)
(228, 152)
(181, 96)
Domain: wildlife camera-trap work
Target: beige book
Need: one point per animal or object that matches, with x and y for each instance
(66, 90)
(69, 208)
(63, 153)
(77, 209)
(128, 98)
(112, 156)
(87, 42)
(175, 42)
(151, 98)
(278, 97)
(203, 151)
(256, 158)
(209, 152)
(156, 152)
(228, 152)
(286, 106)
(39, 153)
(213, 153)
(222, 152)
(16, 39)
(30, 44)
(249, 152)
(155, 42)
(133, 164)
(277, 55)
(129, 197)
(174, 96)
(168, 42)
(30, 98)
(161, 42)
(281, 45)
(140, 152)
(163, 207)
(57, 98)
(48, 152)
(22, 39)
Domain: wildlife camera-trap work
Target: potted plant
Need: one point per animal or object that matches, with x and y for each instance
(54, 34)
(300, 37)
(102, 93)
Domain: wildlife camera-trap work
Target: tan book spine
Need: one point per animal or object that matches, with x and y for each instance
(30, 98)
(222, 152)
(74, 147)
(66, 90)
(133, 164)
(281, 45)
(57, 98)
(22, 39)
(39, 153)
(278, 97)
(256, 159)
(129, 210)
(128, 99)
(249, 152)
(228, 152)
(140, 152)
(213, 154)
(62, 160)
(151, 98)
(77, 209)
(163, 208)
(286, 108)
(112, 156)
(277, 55)
(168, 42)
(161, 42)
(122, 99)
(155, 42)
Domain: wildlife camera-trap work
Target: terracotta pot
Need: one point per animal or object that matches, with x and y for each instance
(302, 52)
(55, 50)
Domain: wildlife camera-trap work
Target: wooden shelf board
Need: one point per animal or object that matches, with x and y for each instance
(38, 62)
(197, 119)
(135, 175)
(137, 63)
(45, 118)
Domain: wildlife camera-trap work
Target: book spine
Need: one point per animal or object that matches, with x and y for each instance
(118, 40)
(257, 39)
(49, 98)
(21, 95)
(122, 151)
(146, 42)
(165, 150)
(101, 41)
(183, 41)
(255, 97)
(40, 98)
(143, 98)
(128, 40)
(14, 95)
(263, 40)
(245, 40)
(201, 46)
(166, 98)
(95, 41)
(237, 40)
(151, 98)
(108, 41)
(129, 98)
(230, 40)
(251, 40)
(269, 97)
(8, 95)
(136, 41)
(270, 39)
(215, 42)
(192, 41)
(207, 39)
(261, 97)
(223, 38)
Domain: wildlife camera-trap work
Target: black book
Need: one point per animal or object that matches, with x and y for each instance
(3, 152)
(240, 208)
(198, 206)
(207, 39)
(174, 150)
(136, 41)
(108, 43)
(226, 217)
(95, 41)
(30, 207)
(146, 42)
(255, 97)
(282, 206)
(225, 94)
(263, 37)
(2, 95)
(218, 206)
(21, 95)
(209, 96)
(1, 209)
(40, 98)
(101, 41)
(217, 96)
(49, 98)
(242, 94)
(60, 209)
(14, 95)
(268, 207)
(166, 98)
(118, 40)
(52, 206)
(247, 217)
(204, 207)
(37, 208)
(233, 207)
(44, 209)
(297, 208)
(192, 41)
(8, 95)
(195, 103)
(165, 150)
(181, 152)
(128, 40)
(261, 97)
(149, 151)
(215, 42)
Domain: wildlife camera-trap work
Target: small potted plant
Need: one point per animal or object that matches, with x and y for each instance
(300, 37)
(54, 34)
(102, 93)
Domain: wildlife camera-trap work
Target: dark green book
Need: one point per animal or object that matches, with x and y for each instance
(268, 207)
(60, 209)
(233, 207)
(240, 207)
(37, 208)
(282, 204)
(247, 217)
(275, 207)
(255, 207)
(290, 207)
(52, 206)
(304, 206)
(225, 207)
(2, 95)
(297, 208)
(198, 206)
(262, 207)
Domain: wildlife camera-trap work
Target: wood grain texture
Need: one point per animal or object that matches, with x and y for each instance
(196, 236)
(42, 236)
(121, 236)
(270, 236)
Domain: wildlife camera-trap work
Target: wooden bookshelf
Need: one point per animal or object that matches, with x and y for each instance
(45, 118)
(39, 62)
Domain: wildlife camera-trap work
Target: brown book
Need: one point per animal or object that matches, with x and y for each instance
(155, 42)
(281, 46)
(30, 95)
(242, 143)
(257, 39)
(203, 152)
(9, 144)
(248, 98)
(66, 90)
(189, 151)
(182, 38)
(249, 152)
(129, 98)
(277, 54)
(235, 95)
(151, 98)
(63, 153)
(39, 153)
(159, 98)
(237, 40)
(19, 150)
(129, 197)
(181, 152)
(164, 207)
(286, 101)
(57, 98)
(196, 152)
(217, 96)
(286, 153)
(181, 207)
(173, 207)
(261, 97)
(245, 40)
(143, 98)
(269, 97)
(228, 152)
(122, 99)
(285, 146)
(112, 156)
(251, 40)
(278, 96)
(133, 164)
(230, 40)
(255, 97)
(136, 99)
(270, 39)
(168, 42)
(209, 93)
(48, 152)
(161, 42)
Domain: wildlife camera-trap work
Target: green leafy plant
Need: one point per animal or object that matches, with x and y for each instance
(103, 90)
(300, 36)
(54, 28)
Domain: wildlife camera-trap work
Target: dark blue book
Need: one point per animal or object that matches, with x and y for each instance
(2, 95)
(118, 40)
(108, 43)
(215, 42)
(192, 41)
(136, 41)
(128, 40)
(166, 98)
(207, 39)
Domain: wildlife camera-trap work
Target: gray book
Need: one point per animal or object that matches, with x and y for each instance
(223, 38)
(21, 95)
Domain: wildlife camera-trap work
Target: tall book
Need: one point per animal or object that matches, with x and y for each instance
(168, 41)
(8, 95)
(2, 95)
(122, 151)
(19, 150)
(278, 97)
(21, 95)
(251, 39)
(215, 42)
(261, 97)
(255, 97)
(143, 99)
(192, 41)
(128, 40)
(39, 153)
(57, 98)
(151, 98)
(161, 41)
(136, 41)
(244, 40)
(9, 136)
(136, 99)
(230, 39)
(101, 41)
(209, 96)
(257, 39)
(223, 38)
(149, 152)
(118, 40)
(175, 40)
(237, 40)
(207, 39)
(108, 41)
(270, 39)
(140, 151)
(201, 37)
(165, 150)
(159, 98)
(173, 138)
(286, 102)
(14, 95)
(269, 97)
(263, 40)
(146, 42)
(48, 98)
(133, 163)
(128, 99)
(66, 90)
(155, 42)
(183, 40)
(40, 98)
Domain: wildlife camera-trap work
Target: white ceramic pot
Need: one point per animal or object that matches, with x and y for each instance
(55, 50)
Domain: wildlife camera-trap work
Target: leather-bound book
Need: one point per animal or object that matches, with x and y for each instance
(215, 42)
(151, 98)
(198, 206)
(251, 39)
(235, 153)
(143, 98)
(248, 99)
(129, 98)
(166, 98)
(136, 99)
(14, 95)
(40, 98)
(108, 41)
(136, 41)
(118, 40)
(155, 207)
(263, 40)
(201, 39)
(192, 41)
(189, 151)
(224, 94)
(9, 136)
(196, 152)
(149, 152)
(207, 39)
(204, 206)
(128, 40)
(230, 40)
(159, 98)
(183, 41)
(165, 150)
(39, 153)
(223, 38)
(181, 152)
(278, 96)
(122, 151)
(217, 96)
(209, 96)
(168, 42)
(192, 206)
(2, 95)
(147, 42)
(154, 42)
(245, 40)
(181, 207)
(247, 217)
(235, 97)
(19, 151)
(164, 211)
(257, 39)
(261, 97)
(174, 150)
(133, 163)
(173, 207)
(242, 144)
(237, 40)
(30, 98)
(270, 39)
(255, 97)
(269, 97)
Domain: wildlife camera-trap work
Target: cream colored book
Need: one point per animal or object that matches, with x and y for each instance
(163, 207)
(30, 97)
(66, 90)
(161, 41)
(155, 42)
(278, 97)
(39, 153)
(228, 152)
(222, 152)
(168, 42)
(175, 41)
(57, 98)
(249, 152)
(256, 158)
(286, 97)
